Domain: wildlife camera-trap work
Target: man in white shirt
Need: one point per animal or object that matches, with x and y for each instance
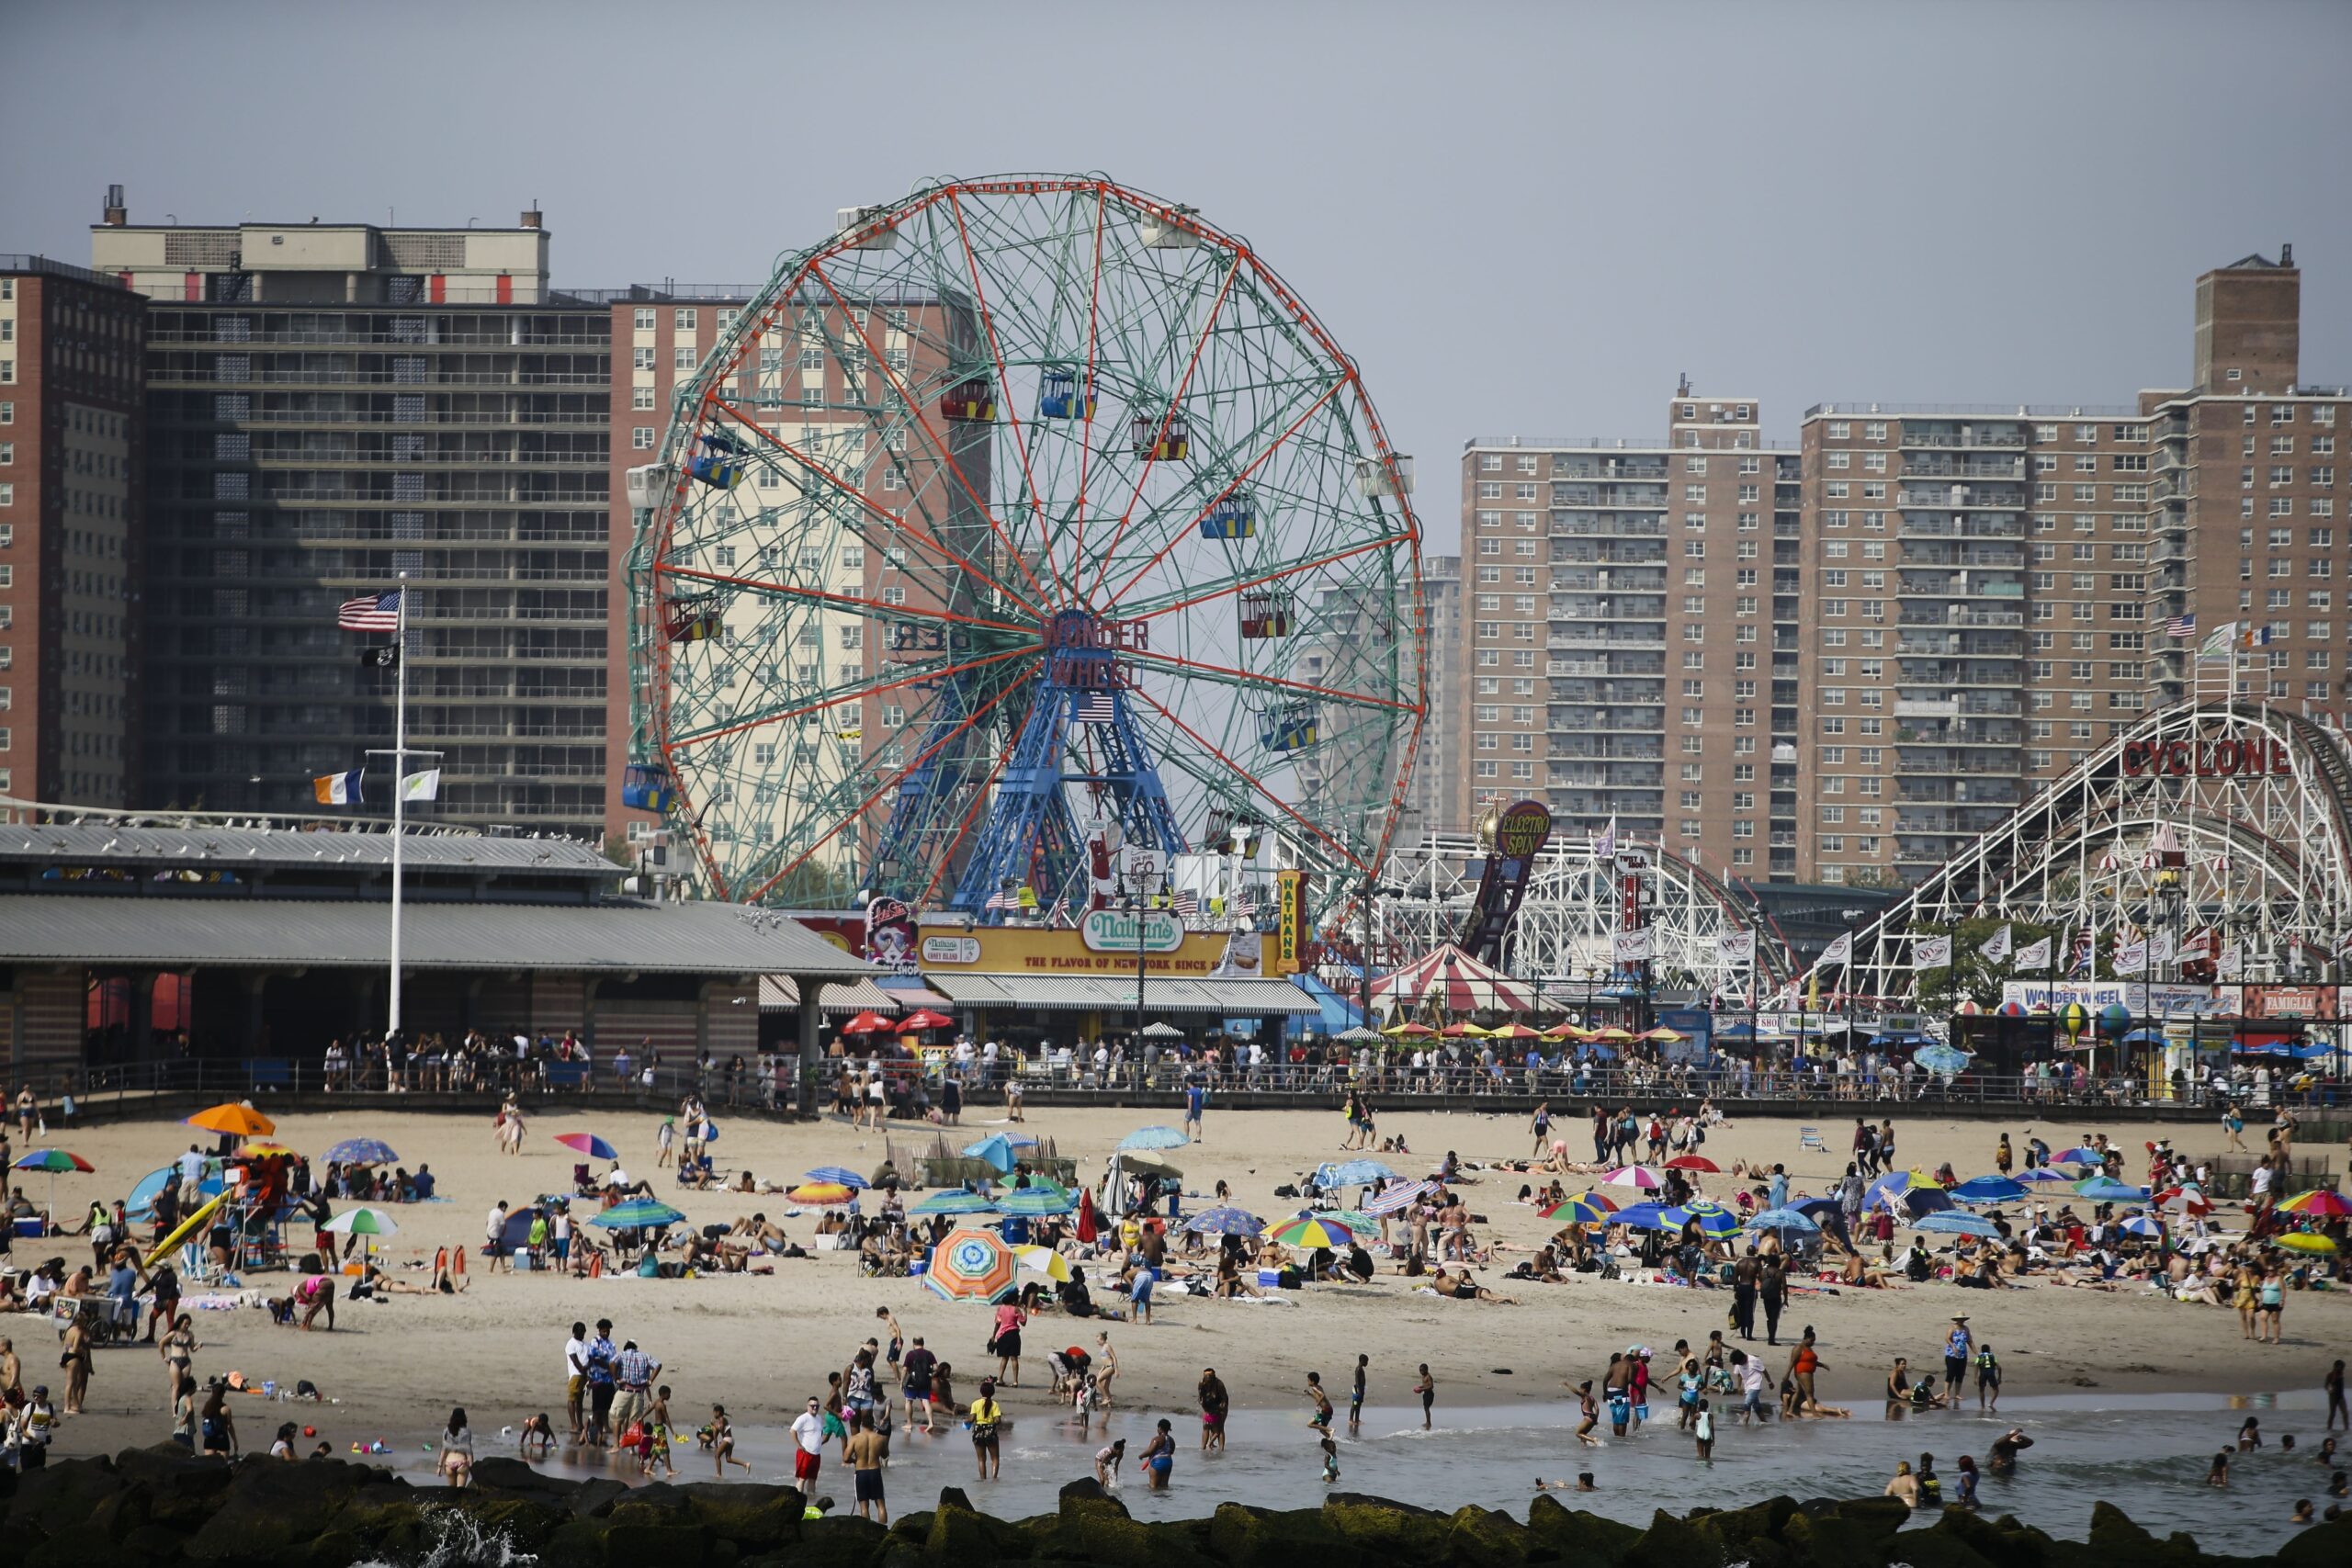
(494, 1232)
(808, 1436)
(575, 1378)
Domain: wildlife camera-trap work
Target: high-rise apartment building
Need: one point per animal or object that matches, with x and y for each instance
(1956, 605)
(332, 406)
(1632, 610)
(1973, 623)
(71, 431)
(2243, 521)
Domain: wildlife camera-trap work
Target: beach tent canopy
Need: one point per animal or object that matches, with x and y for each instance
(1452, 979)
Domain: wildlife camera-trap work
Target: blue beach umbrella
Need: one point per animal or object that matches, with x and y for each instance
(1715, 1219)
(838, 1175)
(1642, 1217)
(1784, 1223)
(362, 1151)
(1989, 1189)
(637, 1213)
(1225, 1221)
(953, 1200)
(1154, 1138)
(2042, 1173)
(1353, 1173)
(997, 1150)
(2143, 1226)
(1948, 1060)
(1951, 1221)
(2106, 1189)
(2081, 1154)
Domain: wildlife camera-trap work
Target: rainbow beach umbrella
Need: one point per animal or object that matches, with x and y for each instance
(2322, 1201)
(53, 1161)
(1585, 1209)
(1311, 1233)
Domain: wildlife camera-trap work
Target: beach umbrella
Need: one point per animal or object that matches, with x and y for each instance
(1042, 1260)
(837, 1176)
(1150, 1161)
(1313, 1232)
(1663, 1035)
(2189, 1198)
(1948, 1060)
(2081, 1154)
(868, 1023)
(2143, 1224)
(1989, 1189)
(1356, 1220)
(1463, 1032)
(53, 1161)
(1154, 1138)
(996, 1149)
(955, 1201)
(922, 1018)
(1641, 1217)
(2106, 1189)
(1402, 1195)
(1514, 1031)
(1896, 1183)
(823, 1194)
(1637, 1175)
(1037, 1201)
(237, 1120)
(2320, 1201)
(1612, 1036)
(362, 1221)
(1715, 1219)
(1951, 1221)
(2040, 1173)
(362, 1151)
(1408, 1031)
(2304, 1241)
(588, 1144)
(1585, 1209)
(637, 1213)
(1225, 1220)
(971, 1266)
(1353, 1173)
(1694, 1162)
(1784, 1223)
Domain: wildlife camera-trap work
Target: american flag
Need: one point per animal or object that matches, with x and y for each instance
(1097, 707)
(1188, 905)
(376, 613)
(2181, 626)
(1008, 898)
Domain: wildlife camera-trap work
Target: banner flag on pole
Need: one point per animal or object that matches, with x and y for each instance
(425, 786)
(2034, 955)
(1931, 953)
(388, 656)
(338, 789)
(1996, 946)
(1840, 952)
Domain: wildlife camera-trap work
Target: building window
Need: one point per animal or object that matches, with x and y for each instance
(640, 437)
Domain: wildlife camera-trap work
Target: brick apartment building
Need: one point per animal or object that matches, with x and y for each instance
(1947, 609)
(1631, 609)
(71, 483)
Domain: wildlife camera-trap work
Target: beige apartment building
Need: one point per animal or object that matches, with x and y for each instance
(1631, 609)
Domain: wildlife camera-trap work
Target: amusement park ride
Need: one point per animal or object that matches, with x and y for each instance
(1012, 525)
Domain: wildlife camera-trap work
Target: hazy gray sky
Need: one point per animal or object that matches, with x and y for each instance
(1517, 218)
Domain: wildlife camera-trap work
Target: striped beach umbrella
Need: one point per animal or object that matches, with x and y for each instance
(1635, 1176)
(1317, 1231)
(970, 1266)
(822, 1194)
(637, 1213)
(1403, 1196)
(53, 1161)
(1046, 1198)
(362, 1221)
(838, 1176)
(1585, 1209)
(587, 1144)
(955, 1201)
(1714, 1219)
(362, 1151)
(2322, 1202)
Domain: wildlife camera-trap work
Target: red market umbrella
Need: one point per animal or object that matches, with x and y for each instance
(923, 1018)
(1693, 1161)
(868, 1023)
(1089, 1224)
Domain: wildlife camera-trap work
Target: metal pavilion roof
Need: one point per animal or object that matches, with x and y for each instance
(211, 848)
(609, 936)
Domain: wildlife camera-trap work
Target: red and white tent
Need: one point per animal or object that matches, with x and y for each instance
(1455, 981)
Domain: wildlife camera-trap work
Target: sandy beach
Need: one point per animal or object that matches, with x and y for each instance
(762, 1344)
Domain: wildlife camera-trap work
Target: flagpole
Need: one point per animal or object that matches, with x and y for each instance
(400, 792)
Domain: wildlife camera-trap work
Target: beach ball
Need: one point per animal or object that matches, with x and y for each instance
(2114, 1018)
(309, 1431)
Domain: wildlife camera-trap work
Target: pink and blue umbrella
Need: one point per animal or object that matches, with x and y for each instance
(588, 1144)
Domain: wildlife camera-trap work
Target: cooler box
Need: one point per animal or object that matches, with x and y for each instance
(1269, 1279)
(918, 1267)
(522, 1260)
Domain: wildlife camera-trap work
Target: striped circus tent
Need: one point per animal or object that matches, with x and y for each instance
(1452, 979)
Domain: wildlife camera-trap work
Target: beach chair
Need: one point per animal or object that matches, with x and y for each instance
(1810, 1139)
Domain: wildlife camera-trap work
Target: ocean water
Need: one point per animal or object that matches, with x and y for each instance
(2146, 1453)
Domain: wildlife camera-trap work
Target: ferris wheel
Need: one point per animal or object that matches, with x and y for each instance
(1018, 524)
